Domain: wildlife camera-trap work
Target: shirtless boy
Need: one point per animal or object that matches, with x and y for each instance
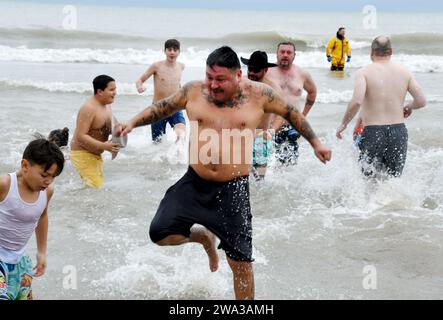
(167, 76)
(91, 135)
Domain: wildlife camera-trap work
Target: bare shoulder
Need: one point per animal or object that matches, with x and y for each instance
(192, 87)
(50, 191)
(307, 78)
(402, 68)
(259, 90)
(272, 73)
(87, 108)
(254, 87)
(153, 68)
(5, 182)
(157, 64)
(363, 72)
(272, 84)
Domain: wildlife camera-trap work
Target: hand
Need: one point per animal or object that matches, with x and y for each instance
(124, 128)
(40, 268)
(141, 89)
(266, 134)
(348, 60)
(323, 153)
(329, 58)
(112, 147)
(407, 112)
(339, 131)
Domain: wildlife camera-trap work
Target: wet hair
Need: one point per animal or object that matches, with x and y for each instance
(44, 153)
(382, 46)
(223, 57)
(59, 136)
(286, 43)
(172, 43)
(101, 82)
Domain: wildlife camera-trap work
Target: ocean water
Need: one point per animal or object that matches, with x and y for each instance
(317, 228)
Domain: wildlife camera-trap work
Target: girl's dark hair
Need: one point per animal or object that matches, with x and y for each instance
(44, 153)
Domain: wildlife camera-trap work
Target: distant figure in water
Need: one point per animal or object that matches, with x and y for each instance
(380, 90)
(59, 136)
(338, 50)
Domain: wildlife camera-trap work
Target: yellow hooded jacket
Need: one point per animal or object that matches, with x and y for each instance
(337, 49)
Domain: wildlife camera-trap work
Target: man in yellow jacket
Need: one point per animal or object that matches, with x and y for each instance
(336, 50)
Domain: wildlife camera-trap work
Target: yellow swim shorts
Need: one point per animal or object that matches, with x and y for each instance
(89, 166)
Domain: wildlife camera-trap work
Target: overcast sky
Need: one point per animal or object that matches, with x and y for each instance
(278, 5)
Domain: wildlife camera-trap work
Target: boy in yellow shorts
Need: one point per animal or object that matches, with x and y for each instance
(94, 125)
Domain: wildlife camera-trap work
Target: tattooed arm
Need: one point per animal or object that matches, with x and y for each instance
(159, 110)
(275, 104)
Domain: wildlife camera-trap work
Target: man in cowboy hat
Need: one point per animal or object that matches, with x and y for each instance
(257, 68)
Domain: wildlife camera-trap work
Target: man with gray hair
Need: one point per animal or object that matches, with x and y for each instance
(380, 90)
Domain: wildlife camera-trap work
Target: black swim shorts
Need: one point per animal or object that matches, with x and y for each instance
(383, 148)
(221, 207)
(286, 145)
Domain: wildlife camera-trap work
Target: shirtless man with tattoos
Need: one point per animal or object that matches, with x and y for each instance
(214, 192)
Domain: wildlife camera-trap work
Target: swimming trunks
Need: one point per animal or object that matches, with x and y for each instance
(89, 166)
(383, 148)
(16, 279)
(222, 207)
(286, 145)
(261, 151)
(159, 128)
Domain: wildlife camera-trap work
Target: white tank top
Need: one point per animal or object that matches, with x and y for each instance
(18, 220)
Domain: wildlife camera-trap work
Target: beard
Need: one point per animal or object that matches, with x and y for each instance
(284, 63)
(253, 77)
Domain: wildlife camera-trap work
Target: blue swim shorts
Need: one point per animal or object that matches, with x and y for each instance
(159, 128)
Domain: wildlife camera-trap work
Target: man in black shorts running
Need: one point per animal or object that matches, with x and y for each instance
(214, 192)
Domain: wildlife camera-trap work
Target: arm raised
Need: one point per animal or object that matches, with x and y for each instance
(159, 110)
(145, 76)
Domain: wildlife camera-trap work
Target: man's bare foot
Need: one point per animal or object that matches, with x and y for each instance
(202, 235)
(211, 249)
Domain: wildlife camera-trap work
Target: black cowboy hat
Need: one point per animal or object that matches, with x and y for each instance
(258, 59)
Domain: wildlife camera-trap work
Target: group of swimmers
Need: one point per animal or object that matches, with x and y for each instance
(212, 199)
